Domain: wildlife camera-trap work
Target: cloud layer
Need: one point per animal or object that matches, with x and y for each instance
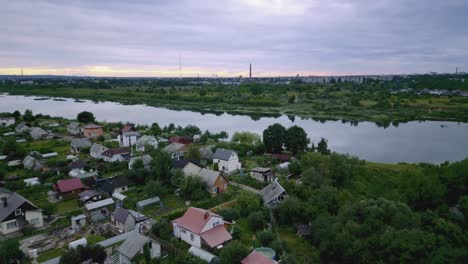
(279, 37)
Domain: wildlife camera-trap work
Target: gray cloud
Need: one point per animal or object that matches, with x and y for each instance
(277, 36)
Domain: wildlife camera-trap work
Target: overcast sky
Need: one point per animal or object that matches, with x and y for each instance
(279, 37)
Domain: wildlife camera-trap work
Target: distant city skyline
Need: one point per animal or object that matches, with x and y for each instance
(278, 37)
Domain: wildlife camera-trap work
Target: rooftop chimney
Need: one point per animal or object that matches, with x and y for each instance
(4, 202)
(207, 214)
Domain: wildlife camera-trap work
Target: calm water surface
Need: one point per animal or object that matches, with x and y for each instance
(428, 141)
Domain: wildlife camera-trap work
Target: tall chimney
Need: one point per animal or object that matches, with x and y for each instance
(4, 202)
(250, 71)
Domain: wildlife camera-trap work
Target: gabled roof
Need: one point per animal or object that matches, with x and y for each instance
(181, 139)
(206, 153)
(257, 258)
(216, 236)
(99, 204)
(127, 128)
(194, 219)
(21, 126)
(108, 185)
(36, 132)
(14, 201)
(98, 148)
(73, 125)
(121, 214)
(77, 164)
(92, 126)
(146, 140)
(207, 176)
(191, 169)
(271, 191)
(133, 245)
(174, 147)
(88, 194)
(116, 151)
(69, 185)
(260, 169)
(223, 154)
(131, 133)
(80, 142)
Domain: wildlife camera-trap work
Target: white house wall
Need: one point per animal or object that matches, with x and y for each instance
(213, 220)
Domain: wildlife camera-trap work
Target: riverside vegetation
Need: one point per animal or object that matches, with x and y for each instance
(398, 100)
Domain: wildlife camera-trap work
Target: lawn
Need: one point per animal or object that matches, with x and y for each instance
(50, 254)
(302, 250)
(66, 206)
(94, 239)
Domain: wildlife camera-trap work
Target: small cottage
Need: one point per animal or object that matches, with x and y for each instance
(262, 174)
(227, 160)
(92, 131)
(97, 150)
(214, 181)
(21, 128)
(74, 129)
(145, 141)
(177, 150)
(16, 212)
(116, 154)
(79, 144)
(69, 187)
(273, 194)
(201, 228)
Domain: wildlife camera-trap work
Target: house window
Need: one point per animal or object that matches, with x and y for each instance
(192, 237)
(34, 221)
(183, 231)
(17, 212)
(12, 225)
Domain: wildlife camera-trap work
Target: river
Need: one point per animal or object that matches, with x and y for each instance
(417, 141)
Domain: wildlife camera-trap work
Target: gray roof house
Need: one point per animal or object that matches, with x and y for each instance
(273, 194)
(32, 163)
(97, 150)
(17, 212)
(144, 141)
(227, 160)
(206, 153)
(37, 132)
(132, 247)
(146, 161)
(77, 144)
(215, 182)
(21, 128)
(176, 149)
(74, 128)
(125, 220)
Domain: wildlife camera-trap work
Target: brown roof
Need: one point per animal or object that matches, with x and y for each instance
(216, 236)
(127, 128)
(257, 258)
(92, 126)
(115, 151)
(69, 185)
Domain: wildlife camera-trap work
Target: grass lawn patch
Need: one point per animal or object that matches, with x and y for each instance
(94, 239)
(50, 254)
(299, 247)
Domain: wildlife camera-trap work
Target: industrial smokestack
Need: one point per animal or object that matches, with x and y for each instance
(250, 71)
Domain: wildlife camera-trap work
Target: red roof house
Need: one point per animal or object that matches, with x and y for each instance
(182, 140)
(69, 187)
(257, 258)
(93, 131)
(200, 227)
(127, 128)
